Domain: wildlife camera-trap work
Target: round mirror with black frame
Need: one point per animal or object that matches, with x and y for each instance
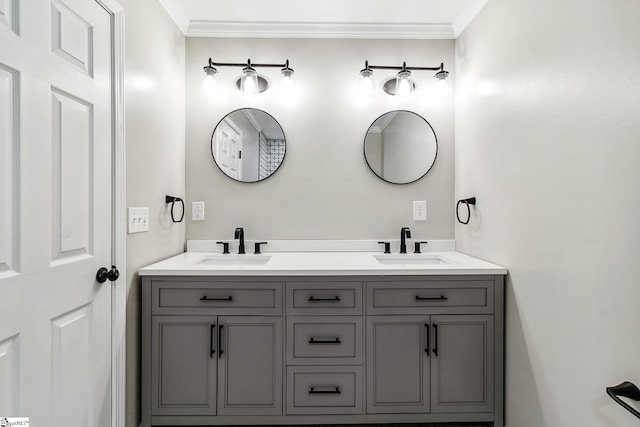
(400, 147)
(248, 145)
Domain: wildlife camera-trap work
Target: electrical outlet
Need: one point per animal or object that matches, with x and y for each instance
(197, 211)
(420, 210)
(138, 220)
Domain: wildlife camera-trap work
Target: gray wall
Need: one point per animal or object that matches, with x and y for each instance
(154, 85)
(324, 189)
(548, 140)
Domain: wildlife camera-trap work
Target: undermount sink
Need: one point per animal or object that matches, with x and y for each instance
(413, 259)
(234, 260)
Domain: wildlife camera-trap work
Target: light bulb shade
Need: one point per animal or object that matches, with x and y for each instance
(209, 84)
(404, 83)
(443, 91)
(249, 81)
(287, 82)
(366, 87)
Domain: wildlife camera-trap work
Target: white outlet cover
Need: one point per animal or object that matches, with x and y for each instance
(197, 211)
(420, 210)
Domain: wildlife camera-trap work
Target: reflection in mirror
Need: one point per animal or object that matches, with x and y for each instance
(400, 147)
(248, 145)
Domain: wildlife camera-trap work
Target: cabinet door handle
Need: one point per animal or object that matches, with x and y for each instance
(206, 298)
(211, 335)
(220, 340)
(324, 299)
(335, 390)
(438, 298)
(435, 339)
(321, 341)
(426, 347)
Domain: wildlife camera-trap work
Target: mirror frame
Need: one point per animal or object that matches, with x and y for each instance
(215, 161)
(364, 150)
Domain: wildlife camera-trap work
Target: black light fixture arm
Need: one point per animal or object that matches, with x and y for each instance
(403, 67)
(239, 64)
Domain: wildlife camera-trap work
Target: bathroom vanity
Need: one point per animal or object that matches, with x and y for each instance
(322, 338)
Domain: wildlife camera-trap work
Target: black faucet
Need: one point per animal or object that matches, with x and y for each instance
(404, 233)
(239, 234)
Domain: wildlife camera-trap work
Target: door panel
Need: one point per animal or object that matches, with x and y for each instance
(9, 14)
(71, 367)
(72, 166)
(55, 178)
(250, 366)
(9, 368)
(397, 364)
(71, 37)
(228, 146)
(8, 168)
(463, 369)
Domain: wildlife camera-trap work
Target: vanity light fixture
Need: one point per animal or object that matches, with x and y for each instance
(250, 82)
(366, 82)
(403, 83)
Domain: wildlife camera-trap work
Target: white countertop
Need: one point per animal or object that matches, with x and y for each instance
(321, 264)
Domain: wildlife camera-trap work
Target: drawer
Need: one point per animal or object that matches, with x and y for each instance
(191, 297)
(437, 296)
(323, 340)
(324, 390)
(329, 297)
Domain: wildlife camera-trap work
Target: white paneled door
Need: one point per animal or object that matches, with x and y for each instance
(227, 147)
(55, 212)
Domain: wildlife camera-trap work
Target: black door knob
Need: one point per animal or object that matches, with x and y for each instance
(103, 274)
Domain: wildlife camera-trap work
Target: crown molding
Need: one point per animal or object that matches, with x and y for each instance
(319, 30)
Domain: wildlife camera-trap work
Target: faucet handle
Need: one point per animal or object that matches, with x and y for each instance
(225, 247)
(417, 246)
(256, 247)
(387, 247)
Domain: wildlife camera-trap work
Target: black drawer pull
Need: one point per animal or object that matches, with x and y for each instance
(324, 299)
(206, 298)
(212, 350)
(428, 341)
(435, 339)
(439, 298)
(220, 327)
(336, 390)
(321, 341)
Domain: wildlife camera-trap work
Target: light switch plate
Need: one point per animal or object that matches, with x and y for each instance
(420, 210)
(138, 220)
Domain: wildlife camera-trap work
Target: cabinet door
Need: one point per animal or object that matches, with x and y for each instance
(462, 363)
(183, 364)
(250, 365)
(397, 364)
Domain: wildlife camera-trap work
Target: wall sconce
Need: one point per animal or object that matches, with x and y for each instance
(250, 82)
(402, 85)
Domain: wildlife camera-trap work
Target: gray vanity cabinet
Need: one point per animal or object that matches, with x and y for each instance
(462, 363)
(398, 372)
(439, 335)
(322, 350)
(440, 364)
(250, 365)
(211, 348)
(185, 370)
(235, 361)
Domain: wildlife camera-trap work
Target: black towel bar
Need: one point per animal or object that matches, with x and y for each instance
(625, 389)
